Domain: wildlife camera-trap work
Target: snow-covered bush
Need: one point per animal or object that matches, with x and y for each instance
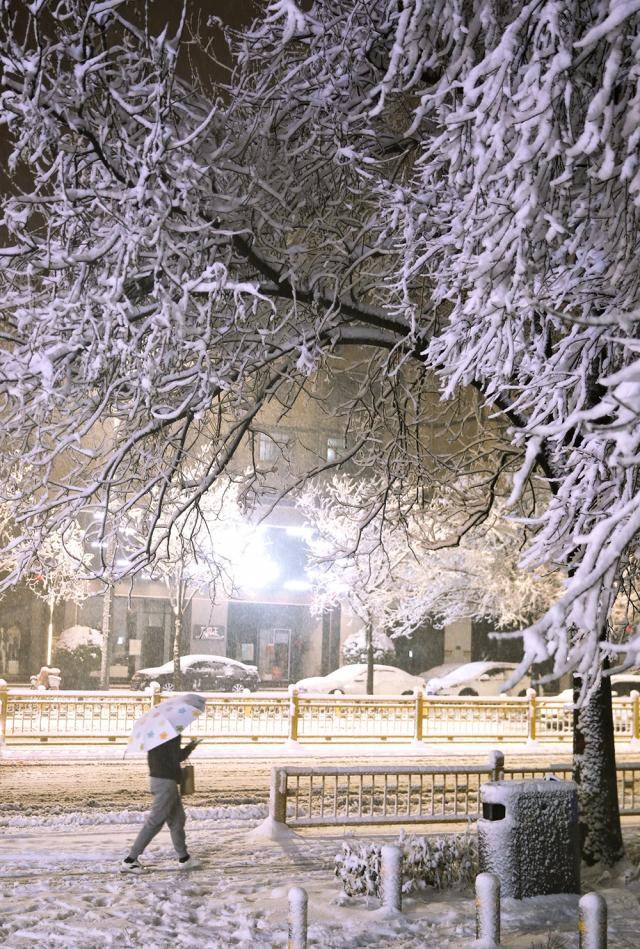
(76, 636)
(77, 655)
(354, 648)
(438, 862)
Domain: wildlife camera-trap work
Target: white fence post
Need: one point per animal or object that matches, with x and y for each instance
(592, 923)
(391, 878)
(488, 909)
(298, 901)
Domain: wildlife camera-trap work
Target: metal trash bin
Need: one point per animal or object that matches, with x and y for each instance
(528, 836)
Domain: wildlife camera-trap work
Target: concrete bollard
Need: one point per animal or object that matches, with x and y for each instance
(592, 924)
(488, 909)
(496, 764)
(298, 900)
(391, 878)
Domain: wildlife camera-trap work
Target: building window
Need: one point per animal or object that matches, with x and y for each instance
(271, 447)
(267, 448)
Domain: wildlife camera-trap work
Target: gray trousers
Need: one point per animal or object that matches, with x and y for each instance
(166, 809)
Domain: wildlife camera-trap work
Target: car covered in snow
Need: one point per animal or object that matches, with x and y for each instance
(473, 678)
(622, 685)
(201, 673)
(352, 680)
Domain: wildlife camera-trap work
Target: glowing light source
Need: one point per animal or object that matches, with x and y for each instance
(256, 570)
(299, 586)
(306, 533)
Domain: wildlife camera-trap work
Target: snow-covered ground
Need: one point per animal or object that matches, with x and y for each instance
(60, 887)
(423, 751)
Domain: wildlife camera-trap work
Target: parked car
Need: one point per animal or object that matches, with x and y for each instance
(352, 680)
(473, 678)
(622, 685)
(202, 674)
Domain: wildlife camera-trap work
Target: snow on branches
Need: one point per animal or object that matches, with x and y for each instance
(501, 141)
(121, 323)
(398, 563)
(452, 185)
(202, 544)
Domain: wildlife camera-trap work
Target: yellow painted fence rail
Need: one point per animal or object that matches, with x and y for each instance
(27, 716)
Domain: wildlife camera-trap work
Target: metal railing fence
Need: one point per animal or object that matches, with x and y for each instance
(28, 716)
(420, 794)
(399, 795)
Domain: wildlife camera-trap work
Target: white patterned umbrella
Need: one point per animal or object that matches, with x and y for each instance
(164, 722)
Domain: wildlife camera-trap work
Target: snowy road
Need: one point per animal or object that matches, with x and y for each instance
(60, 887)
(37, 780)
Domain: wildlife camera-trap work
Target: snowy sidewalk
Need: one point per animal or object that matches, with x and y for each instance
(60, 887)
(414, 751)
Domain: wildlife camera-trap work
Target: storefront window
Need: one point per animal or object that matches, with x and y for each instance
(14, 651)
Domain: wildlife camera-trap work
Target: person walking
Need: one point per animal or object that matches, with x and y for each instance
(164, 780)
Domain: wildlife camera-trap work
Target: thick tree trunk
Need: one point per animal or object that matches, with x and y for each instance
(105, 657)
(177, 634)
(369, 659)
(594, 769)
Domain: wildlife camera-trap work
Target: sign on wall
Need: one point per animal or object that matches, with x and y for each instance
(210, 633)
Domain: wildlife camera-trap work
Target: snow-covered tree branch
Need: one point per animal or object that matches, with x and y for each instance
(398, 562)
(200, 552)
(452, 185)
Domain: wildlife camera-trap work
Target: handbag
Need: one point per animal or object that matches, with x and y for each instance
(187, 779)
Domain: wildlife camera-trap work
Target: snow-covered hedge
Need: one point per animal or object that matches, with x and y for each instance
(439, 862)
(354, 648)
(78, 654)
(75, 636)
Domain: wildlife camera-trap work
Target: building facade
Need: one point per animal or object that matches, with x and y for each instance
(270, 622)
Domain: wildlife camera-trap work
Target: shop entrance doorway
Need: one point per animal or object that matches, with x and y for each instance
(271, 636)
(275, 654)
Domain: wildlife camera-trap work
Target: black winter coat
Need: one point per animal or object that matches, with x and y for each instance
(164, 760)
